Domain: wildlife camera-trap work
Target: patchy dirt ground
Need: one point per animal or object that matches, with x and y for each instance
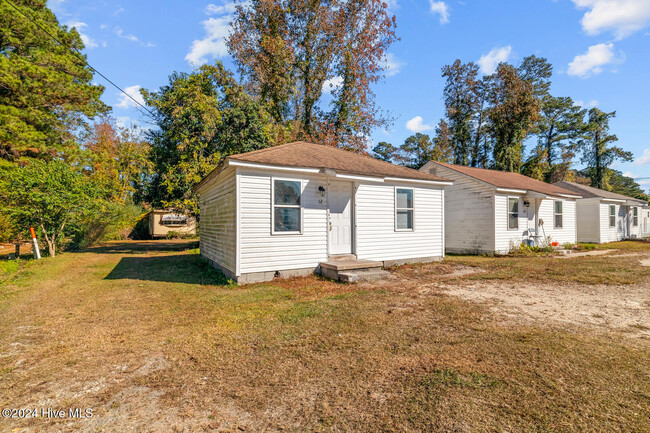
(625, 309)
(621, 308)
(153, 340)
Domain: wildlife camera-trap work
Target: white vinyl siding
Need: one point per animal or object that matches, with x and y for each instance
(588, 220)
(262, 251)
(217, 221)
(376, 237)
(616, 233)
(565, 234)
(469, 216)
(504, 236)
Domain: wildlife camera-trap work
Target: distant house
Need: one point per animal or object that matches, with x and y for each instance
(289, 209)
(162, 222)
(645, 221)
(604, 216)
(494, 211)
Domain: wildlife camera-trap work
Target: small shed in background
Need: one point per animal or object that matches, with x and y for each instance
(162, 222)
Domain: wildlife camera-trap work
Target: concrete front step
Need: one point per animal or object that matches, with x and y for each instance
(363, 275)
(352, 270)
(346, 265)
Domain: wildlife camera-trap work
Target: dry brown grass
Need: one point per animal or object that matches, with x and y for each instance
(142, 336)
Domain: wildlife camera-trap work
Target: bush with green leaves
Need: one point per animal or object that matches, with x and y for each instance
(53, 197)
(108, 221)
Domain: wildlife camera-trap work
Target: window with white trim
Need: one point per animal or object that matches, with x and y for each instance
(404, 209)
(612, 215)
(635, 216)
(513, 213)
(287, 212)
(557, 214)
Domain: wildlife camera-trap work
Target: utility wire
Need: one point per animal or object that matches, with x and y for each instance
(77, 55)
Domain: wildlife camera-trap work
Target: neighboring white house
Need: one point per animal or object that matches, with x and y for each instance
(494, 211)
(282, 211)
(604, 216)
(645, 221)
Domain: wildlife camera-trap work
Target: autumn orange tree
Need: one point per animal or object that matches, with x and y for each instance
(117, 158)
(290, 53)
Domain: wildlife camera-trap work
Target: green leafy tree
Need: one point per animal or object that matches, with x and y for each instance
(625, 185)
(53, 197)
(597, 152)
(560, 124)
(461, 106)
(513, 112)
(385, 151)
(538, 72)
(46, 93)
(286, 51)
(202, 117)
(443, 146)
(417, 150)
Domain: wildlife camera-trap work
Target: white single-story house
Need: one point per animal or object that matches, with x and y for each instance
(284, 210)
(162, 222)
(605, 216)
(645, 221)
(495, 211)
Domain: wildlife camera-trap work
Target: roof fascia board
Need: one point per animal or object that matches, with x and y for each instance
(358, 177)
(513, 190)
(247, 164)
(407, 180)
(613, 200)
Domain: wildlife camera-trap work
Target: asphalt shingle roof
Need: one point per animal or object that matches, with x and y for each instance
(506, 179)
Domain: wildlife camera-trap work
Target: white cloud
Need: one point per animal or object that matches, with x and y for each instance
(589, 104)
(120, 33)
(87, 40)
(592, 62)
(213, 44)
(333, 84)
(622, 17)
(643, 159)
(225, 8)
(489, 62)
(392, 65)
(134, 92)
(440, 8)
(416, 125)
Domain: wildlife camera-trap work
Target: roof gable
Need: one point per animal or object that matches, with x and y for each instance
(507, 180)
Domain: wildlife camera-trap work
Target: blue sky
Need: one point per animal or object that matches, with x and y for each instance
(600, 50)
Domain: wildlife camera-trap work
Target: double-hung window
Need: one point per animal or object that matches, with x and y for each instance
(612, 215)
(557, 214)
(635, 216)
(513, 213)
(404, 209)
(287, 213)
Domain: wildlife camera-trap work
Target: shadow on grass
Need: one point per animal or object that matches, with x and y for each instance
(178, 268)
(139, 247)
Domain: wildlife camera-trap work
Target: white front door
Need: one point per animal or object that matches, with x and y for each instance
(339, 199)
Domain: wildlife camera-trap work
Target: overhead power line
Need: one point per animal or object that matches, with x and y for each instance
(77, 55)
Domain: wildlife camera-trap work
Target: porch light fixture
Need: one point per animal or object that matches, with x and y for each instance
(526, 203)
(322, 190)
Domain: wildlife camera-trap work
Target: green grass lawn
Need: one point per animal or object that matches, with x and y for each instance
(145, 333)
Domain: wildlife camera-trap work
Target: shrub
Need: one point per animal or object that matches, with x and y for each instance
(110, 221)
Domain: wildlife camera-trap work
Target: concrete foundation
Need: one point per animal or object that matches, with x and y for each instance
(389, 263)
